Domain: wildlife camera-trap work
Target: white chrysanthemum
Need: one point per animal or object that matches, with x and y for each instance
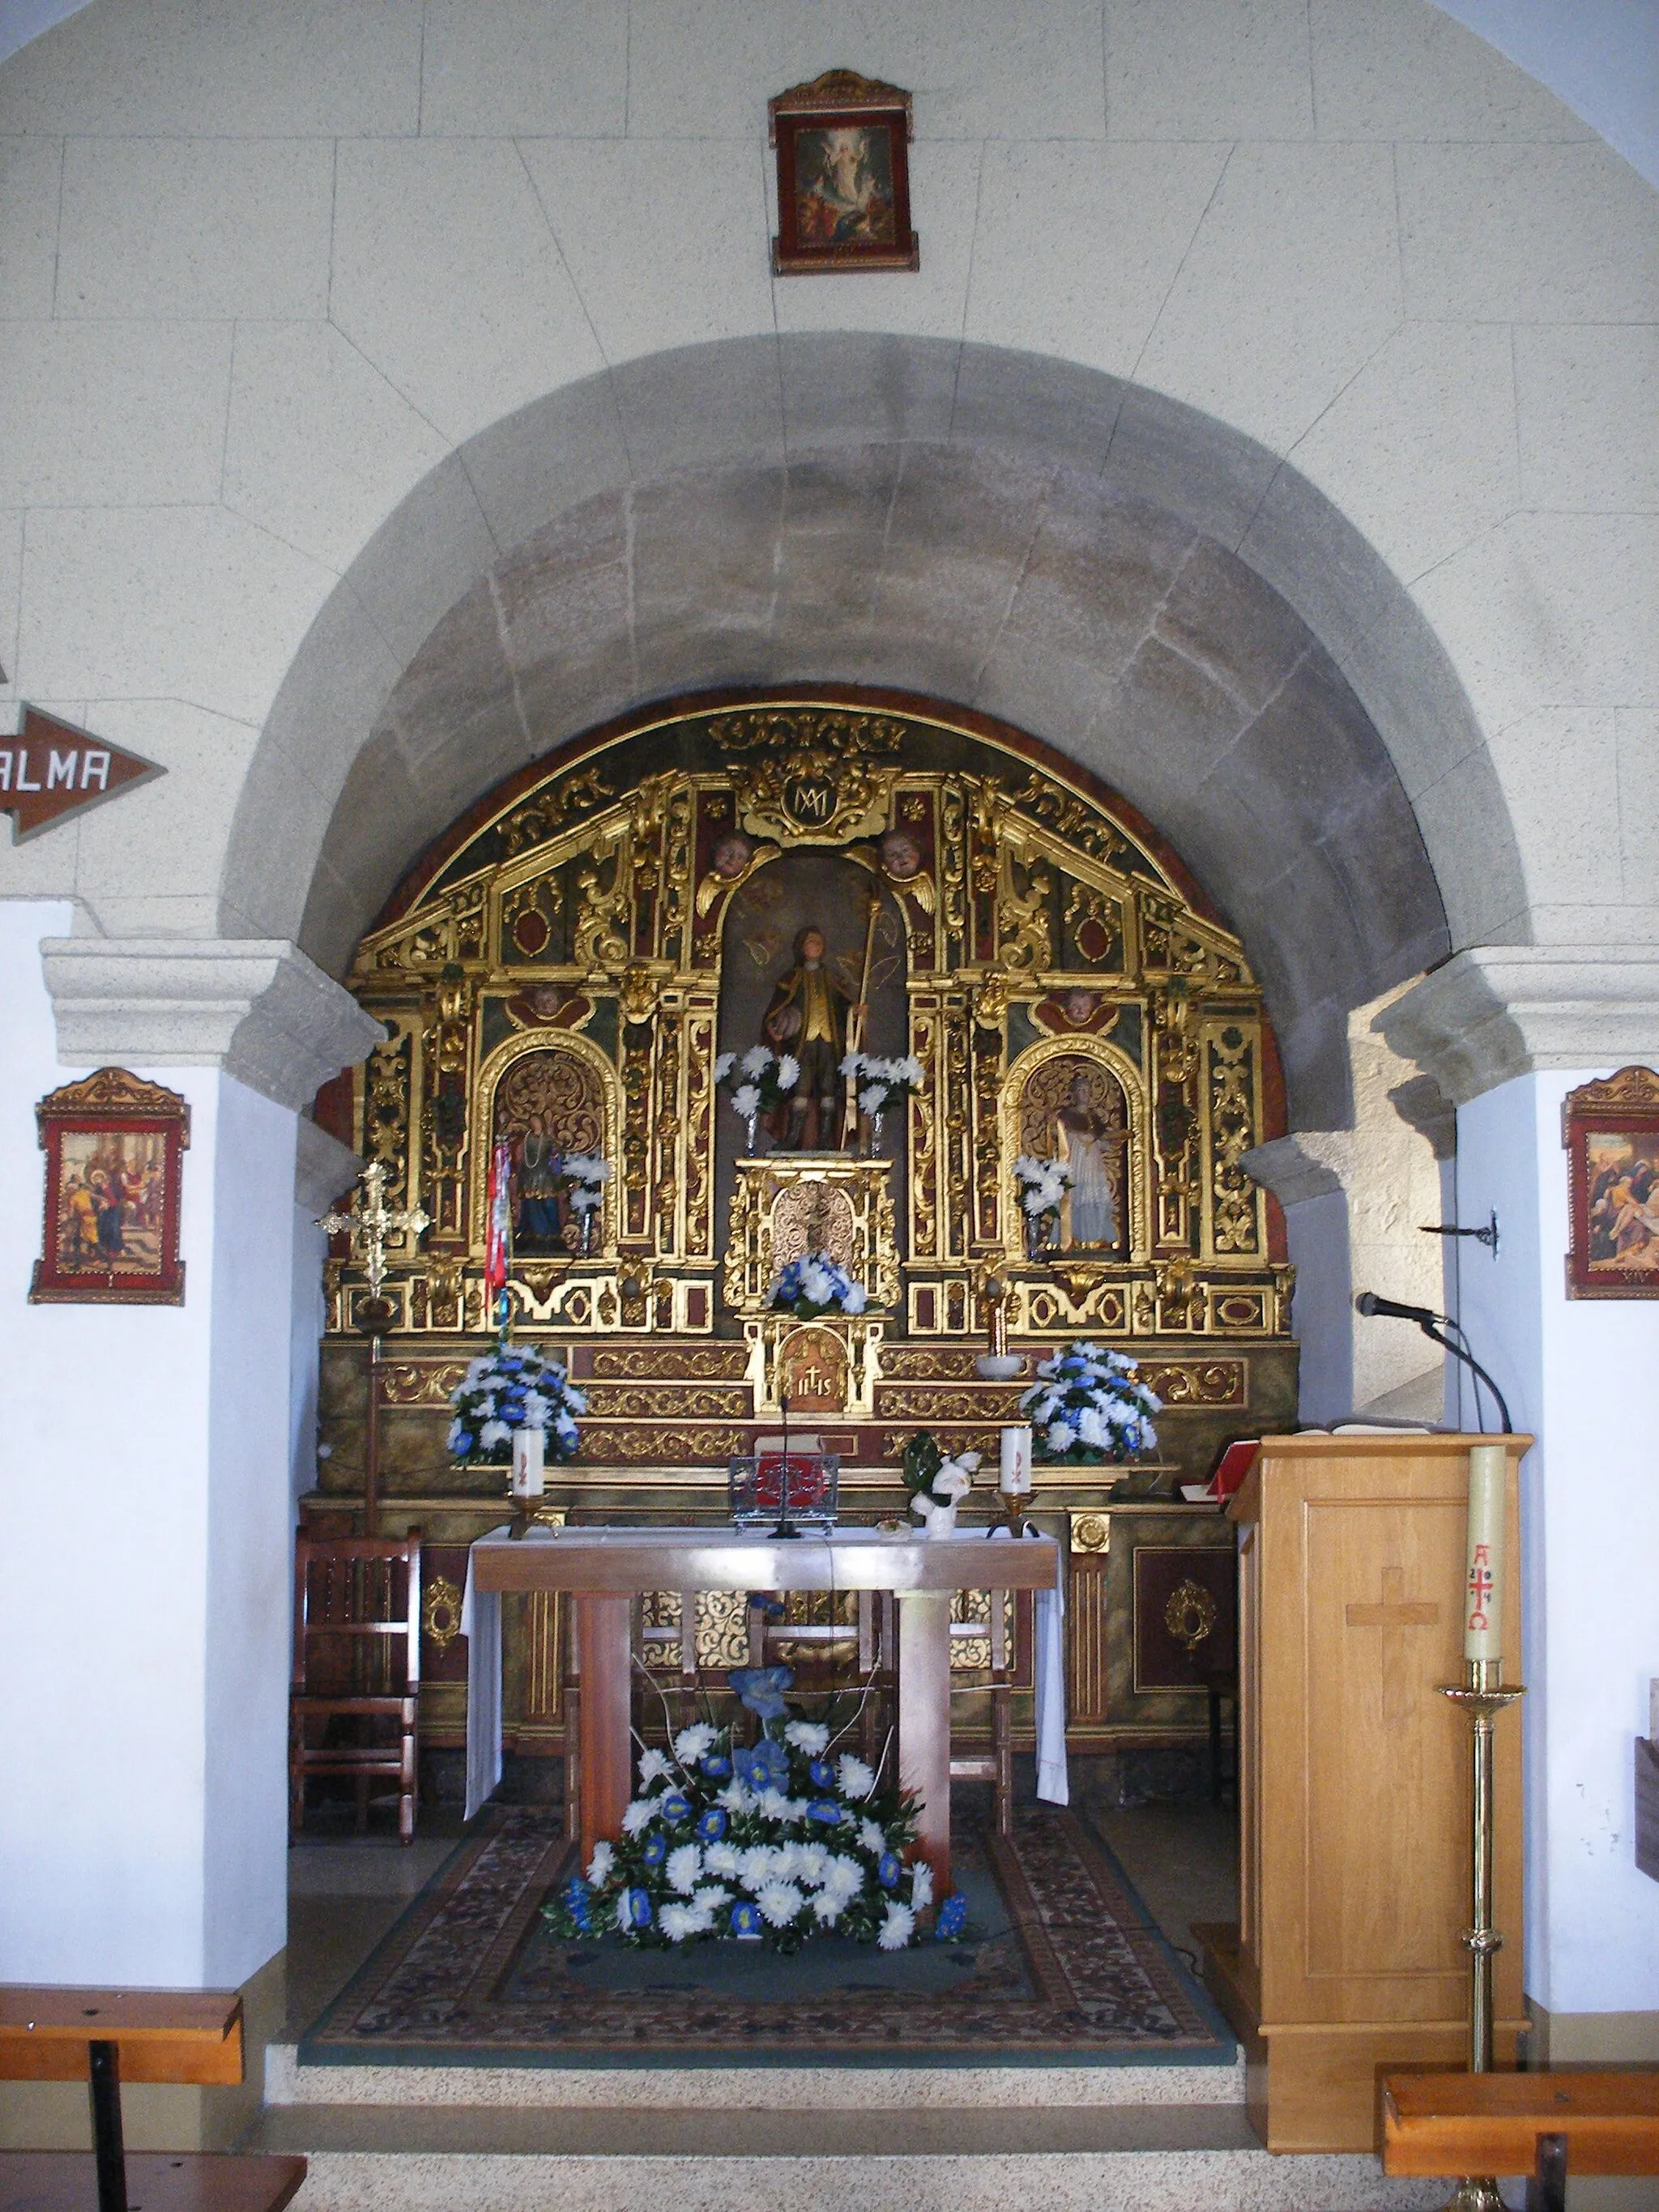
(856, 1298)
(788, 1072)
(828, 1907)
(775, 1805)
(494, 1433)
(872, 1100)
(921, 1885)
(599, 1866)
(654, 1766)
(810, 1737)
(779, 1902)
(476, 1370)
(911, 1070)
(816, 1283)
(852, 1063)
(756, 1061)
(872, 1838)
(811, 1861)
(692, 1742)
(844, 1877)
(755, 1865)
(677, 1922)
(1091, 1428)
(624, 1917)
(723, 1859)
(747, 1099)
(736, 1797)
(857, 1779)
(1061, 1435)
(724, 1065)
(711, 1899)
(897, 1929)
(640, 1815)
(683, 1866)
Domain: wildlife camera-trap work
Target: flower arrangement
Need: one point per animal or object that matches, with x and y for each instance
(512, 1388)
(882, 1082)
(768, 1078)
(585, 1175)
(776, 1842)
(1089, 1405)
(937, 1485)
(1043, 1185)
(815, 1285)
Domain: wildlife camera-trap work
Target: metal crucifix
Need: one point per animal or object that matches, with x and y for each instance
(369, 1225)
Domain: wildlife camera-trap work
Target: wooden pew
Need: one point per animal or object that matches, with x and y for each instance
(1608, 2123)
(100, 2037)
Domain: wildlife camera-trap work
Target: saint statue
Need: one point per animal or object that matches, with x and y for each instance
(539, 1228)
(807, 1018)
(1088, 1215)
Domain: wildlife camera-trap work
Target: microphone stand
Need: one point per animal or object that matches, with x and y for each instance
(1431, 1325)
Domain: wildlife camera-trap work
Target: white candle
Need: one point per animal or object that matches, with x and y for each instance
(528, 1448)
(1483, 1589)
(1015, 1477)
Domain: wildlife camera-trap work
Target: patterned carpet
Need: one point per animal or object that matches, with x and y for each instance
(1061, 1966)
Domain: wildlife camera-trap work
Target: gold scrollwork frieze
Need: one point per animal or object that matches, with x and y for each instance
(667, 1362)
(663, 1400)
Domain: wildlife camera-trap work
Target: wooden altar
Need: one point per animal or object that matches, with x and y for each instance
(1354, 1781)
(560, 973)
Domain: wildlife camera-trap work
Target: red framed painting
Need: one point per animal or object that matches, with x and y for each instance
(1611, 1131)
(844, 156)
(114, 1147)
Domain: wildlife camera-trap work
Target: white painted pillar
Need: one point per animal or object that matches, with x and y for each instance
(146, 1498)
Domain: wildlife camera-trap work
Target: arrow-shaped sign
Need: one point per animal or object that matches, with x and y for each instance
(50, 770)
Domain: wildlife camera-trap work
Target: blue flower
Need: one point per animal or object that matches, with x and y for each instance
(762, 1688)
(711, 1824)
(745, 1919)
(639, 1908)
(576, 1895)
(459, 1440)
(822, 1774)
(887, 1870)
(716, 1766)
(764, 1765)
(655, 1850)
(676, 1806)
(824, 1809)
(952, 1918)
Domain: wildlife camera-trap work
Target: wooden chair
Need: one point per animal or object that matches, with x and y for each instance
(356, 1661)
(869, 1640)
(1590, 2122)
(997, 1766)
(97, 2036)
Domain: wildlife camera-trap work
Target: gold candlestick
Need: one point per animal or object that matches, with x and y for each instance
(1482, 1697)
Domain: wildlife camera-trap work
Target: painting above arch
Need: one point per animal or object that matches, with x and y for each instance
(1015, 929)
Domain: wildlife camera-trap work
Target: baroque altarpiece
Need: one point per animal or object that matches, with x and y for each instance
(562, 973)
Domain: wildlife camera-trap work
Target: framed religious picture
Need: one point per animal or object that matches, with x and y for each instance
(843, 176)
(114, 1145)
(1611, 1131)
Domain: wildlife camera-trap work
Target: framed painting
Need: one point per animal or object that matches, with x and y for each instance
(843, 176)
(1611, 1131)
(114, 1147)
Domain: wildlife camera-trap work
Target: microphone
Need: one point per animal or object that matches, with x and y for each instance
(1367, 1303)
(1432, 1325)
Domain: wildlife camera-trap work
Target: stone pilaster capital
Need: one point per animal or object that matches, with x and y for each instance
(324, 1168)
(255, 1006)
(1499, 1010)
(1312, 1163)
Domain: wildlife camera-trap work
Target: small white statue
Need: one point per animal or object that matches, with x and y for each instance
(937, 1505)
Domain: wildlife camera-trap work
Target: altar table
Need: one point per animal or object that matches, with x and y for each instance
(606, 1569)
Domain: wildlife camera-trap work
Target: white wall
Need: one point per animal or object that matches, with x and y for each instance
(144, 1497)
(1583, 1376)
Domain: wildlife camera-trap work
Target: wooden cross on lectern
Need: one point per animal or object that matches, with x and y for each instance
(372, 1222)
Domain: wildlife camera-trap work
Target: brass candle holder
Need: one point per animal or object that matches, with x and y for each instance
(1482, 1696)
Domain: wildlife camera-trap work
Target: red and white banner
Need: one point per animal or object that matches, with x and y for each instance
(499, 1236)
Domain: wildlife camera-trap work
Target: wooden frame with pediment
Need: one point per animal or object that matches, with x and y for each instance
(1611, 1133)
(101, 1245)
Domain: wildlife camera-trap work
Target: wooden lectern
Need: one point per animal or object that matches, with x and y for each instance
(1354, 1781)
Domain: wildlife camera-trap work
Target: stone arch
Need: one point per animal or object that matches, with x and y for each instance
(1142, 587)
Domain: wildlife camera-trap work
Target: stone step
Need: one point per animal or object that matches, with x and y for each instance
(1031, 2178)
(799, 2090)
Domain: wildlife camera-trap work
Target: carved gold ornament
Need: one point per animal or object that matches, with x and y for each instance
(1190, 1614)
(441, 1613)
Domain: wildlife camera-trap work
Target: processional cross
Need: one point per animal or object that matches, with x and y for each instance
(372, 1222)
(369, 1225)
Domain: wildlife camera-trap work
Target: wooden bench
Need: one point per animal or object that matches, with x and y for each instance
(1594, 2121)
(100, 2037)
